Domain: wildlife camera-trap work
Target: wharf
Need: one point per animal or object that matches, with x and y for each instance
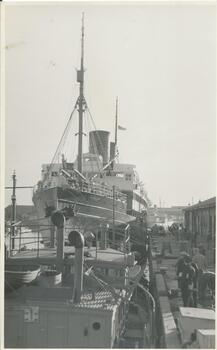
(165, 253)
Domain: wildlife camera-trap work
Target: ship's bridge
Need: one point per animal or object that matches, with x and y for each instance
(92, 164)
(123, 176)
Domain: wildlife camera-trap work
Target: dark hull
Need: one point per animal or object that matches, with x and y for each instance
(93, 205)
(90, 209)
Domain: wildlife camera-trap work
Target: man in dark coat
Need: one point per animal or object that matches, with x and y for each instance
(187, 282)
(195, 285)
(179, 266)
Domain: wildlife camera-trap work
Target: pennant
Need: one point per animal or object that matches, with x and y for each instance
(121, 128)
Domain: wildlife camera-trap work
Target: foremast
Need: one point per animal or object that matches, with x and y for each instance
(116, 123)
(116, 129)
(81, 103)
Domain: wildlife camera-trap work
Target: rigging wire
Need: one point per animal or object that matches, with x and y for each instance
(87, 132)
(68, 147)
(64, 138)
(60, 142)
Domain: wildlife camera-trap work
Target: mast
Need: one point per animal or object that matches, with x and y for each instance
(116, 124)
(13, 199)
(113, 187)
(81, 101)
(113, 216)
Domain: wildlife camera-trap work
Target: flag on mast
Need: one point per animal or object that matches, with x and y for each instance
(121, 128)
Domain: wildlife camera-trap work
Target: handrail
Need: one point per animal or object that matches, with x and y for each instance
(89, 187)
(103, 190)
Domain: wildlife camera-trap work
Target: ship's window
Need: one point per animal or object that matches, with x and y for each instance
(54, 173)
(96, 326)
(128, 177)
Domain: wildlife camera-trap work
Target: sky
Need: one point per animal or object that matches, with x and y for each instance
(158, 58)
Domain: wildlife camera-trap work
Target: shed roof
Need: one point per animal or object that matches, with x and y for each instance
(211, 202)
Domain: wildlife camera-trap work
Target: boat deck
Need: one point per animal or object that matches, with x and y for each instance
(49, 256)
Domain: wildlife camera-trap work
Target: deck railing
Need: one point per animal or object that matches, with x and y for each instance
(26, 238)
(39, 236)
(103, 190)
(88, 187)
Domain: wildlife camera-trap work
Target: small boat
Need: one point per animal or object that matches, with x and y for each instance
(18, 275)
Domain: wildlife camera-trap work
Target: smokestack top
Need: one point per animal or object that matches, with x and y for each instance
(99, 143)
(100, 131)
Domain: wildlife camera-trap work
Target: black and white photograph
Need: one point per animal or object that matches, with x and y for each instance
(108, 174)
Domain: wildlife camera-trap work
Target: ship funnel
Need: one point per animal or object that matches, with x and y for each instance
(76, 239)
(98, 144)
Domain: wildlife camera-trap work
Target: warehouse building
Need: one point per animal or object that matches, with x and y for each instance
(201, 218)
(200, 222)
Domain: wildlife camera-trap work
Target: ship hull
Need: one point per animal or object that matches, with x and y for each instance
(90, 209)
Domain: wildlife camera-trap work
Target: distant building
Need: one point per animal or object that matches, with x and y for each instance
(201, 218)
(165, 216)
(23, 212)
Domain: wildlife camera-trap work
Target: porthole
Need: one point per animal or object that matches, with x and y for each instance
(96, 326)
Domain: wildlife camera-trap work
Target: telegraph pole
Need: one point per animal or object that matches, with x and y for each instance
(13, 221)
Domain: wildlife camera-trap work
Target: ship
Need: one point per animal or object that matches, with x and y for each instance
(90, 291)
(83, 297)
(95, 187)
